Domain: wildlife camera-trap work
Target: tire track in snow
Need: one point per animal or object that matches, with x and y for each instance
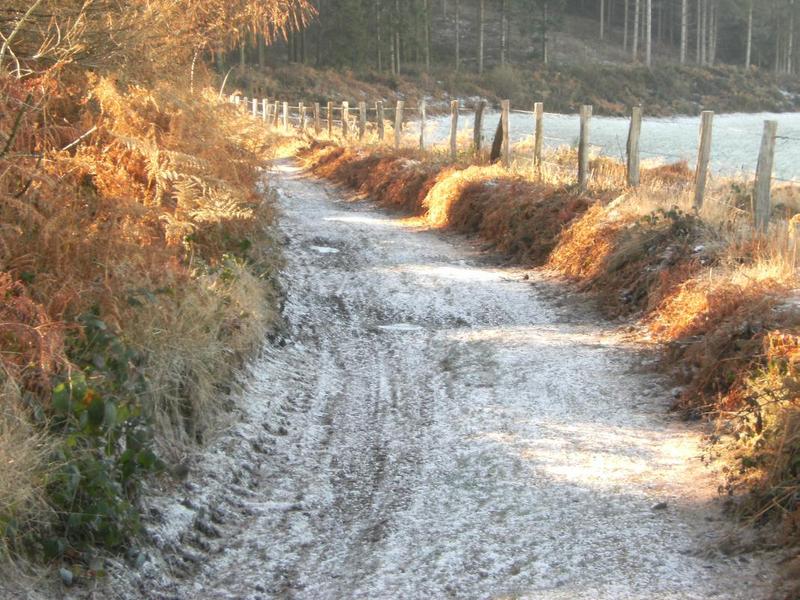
(436, 428)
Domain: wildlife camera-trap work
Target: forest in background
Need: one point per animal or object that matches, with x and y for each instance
(392, 35)
(562, 53)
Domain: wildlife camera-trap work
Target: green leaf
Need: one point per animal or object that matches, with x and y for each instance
(123, 413)
(73, 479)
(79, 390)
(146, 459)
(61, 398)
(74, 521)
(54, 547)
(128, 469)
(110, 415)
(11, 529)
(97, 411)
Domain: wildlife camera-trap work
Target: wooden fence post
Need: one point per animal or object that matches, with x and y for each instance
(301, 117)
(275, 113)
(453, 130)
(255, 107)
(505, 107)
(362, 120)
(317, 123)
(703, 156)
(633, 146)
(244, 104)
(583, 148)
(330, 119)
(398, 123)
(477, 131)
(794, 243)
(236, 101)
(538, 139)
(381, 124)
(422, 123)
(345, 117)
(761, 191)
(264, 109)
(286, 116)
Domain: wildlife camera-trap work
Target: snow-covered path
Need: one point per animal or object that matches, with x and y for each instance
(435, 427)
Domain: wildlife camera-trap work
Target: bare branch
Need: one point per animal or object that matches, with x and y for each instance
(7, 41)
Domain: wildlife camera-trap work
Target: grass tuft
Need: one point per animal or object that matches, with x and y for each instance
(138, 272)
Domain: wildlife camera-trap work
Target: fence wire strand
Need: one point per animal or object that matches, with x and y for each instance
(354, 113)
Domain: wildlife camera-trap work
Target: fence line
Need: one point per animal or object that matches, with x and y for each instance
(356, 120)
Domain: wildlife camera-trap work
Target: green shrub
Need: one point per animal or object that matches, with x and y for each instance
(106, 444)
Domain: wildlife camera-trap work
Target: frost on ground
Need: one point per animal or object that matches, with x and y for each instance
(433, 427)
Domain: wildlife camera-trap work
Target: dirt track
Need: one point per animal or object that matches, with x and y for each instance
(434, 427)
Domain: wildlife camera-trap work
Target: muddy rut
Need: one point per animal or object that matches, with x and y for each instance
(433, 426)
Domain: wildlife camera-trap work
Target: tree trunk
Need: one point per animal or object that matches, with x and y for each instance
(643, 26)
(636, 7)
(749, 50)
(545, 57)
(417, 42)
(602, 19)
(318, 45)
(778, 46)
(790, 42)
(625, 26)
(503, 33)
(697, 32)
(660, 23)
(458, 35)
(378, 34)
(684, 29)
(427, 34)
(392, 58)
(649, 34)
(703, 30)
(713, 33)
(508, 32)
(397, 37)
(481, 27)
(397, 51)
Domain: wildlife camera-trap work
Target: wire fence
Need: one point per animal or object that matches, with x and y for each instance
(392, 122)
